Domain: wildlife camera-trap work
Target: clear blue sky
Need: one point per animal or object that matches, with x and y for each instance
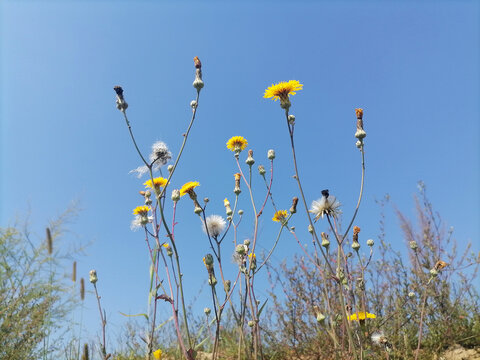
(412, 66)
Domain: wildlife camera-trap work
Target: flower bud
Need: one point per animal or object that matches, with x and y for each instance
(360, 134)
(433, 272)
(193, 104)
(370, 242)
(197, 210)
(271, 154)
(208, 260)
(320, 317)
(251, 323)
(355, 245)
(310, 229)
(212, 280)
(293, 209)
(413, 245)
(261, 170)
(250, 161)
(227, 285)
(93, 276)
(325, 241)
(411, 294)
(241, 249)
(246, 242)
(240, 212)
(175, 195)
(291, 119)
(359, 144)
(170, 168)
(207, 311)
(228, 209)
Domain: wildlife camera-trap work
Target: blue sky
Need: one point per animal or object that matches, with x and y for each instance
(412, 67)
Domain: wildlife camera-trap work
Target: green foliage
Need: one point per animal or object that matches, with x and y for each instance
(33, 306)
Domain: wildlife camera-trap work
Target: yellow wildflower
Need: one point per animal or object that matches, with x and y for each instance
(188, 187)
(280, 216)
(362, 316)
(158, 182)
(282, 91)
(157, 354)
(237, 143)
(141, 210)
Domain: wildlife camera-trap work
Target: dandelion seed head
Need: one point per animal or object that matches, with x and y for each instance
(160, 154)
(215, 224)
(326, 205)
(377, 338)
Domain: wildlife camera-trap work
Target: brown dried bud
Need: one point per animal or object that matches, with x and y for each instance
(198, 63)
(293, 209)
(440, 265)
(356, 230)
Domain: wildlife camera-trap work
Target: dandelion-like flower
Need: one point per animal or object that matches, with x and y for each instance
(215, 224)
(237, 144)
(160, 155)
(362, 316)
(141, 210)
(280, 216)
(157, 182)
(188, 187)
(157, 354)
(282, 91)
(326, 205)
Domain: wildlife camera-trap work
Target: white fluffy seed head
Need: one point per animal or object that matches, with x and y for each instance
(215, 225)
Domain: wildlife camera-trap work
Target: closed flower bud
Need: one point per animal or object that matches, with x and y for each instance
(325, 241)
(291, 119)
(175, 195)
(207, 311)
(93, 276)
(227, 285)
(193, 104)
(261, 170)
(370, 242)
(320, 317)
(241, 249)
(411, 294)
(246, 242)
(251, 323)
(433, 272)
(359, 144)
(198, 82)
(271, 154)
(413, 245)
(310, 229)
(293, 209)
(197, 210)
(250, 161)
(355, 245)
(208, 260)
(212, 280)
(170, 168)
(360, 134)
(240, 212)
(228, 209)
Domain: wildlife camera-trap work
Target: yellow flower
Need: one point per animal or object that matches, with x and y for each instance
(252, 255)
(158, 182)
(283, 90)
(237, 143)
(189, 186)
(157, 354)
(141, 210)
(280, 216)
(362, 316)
